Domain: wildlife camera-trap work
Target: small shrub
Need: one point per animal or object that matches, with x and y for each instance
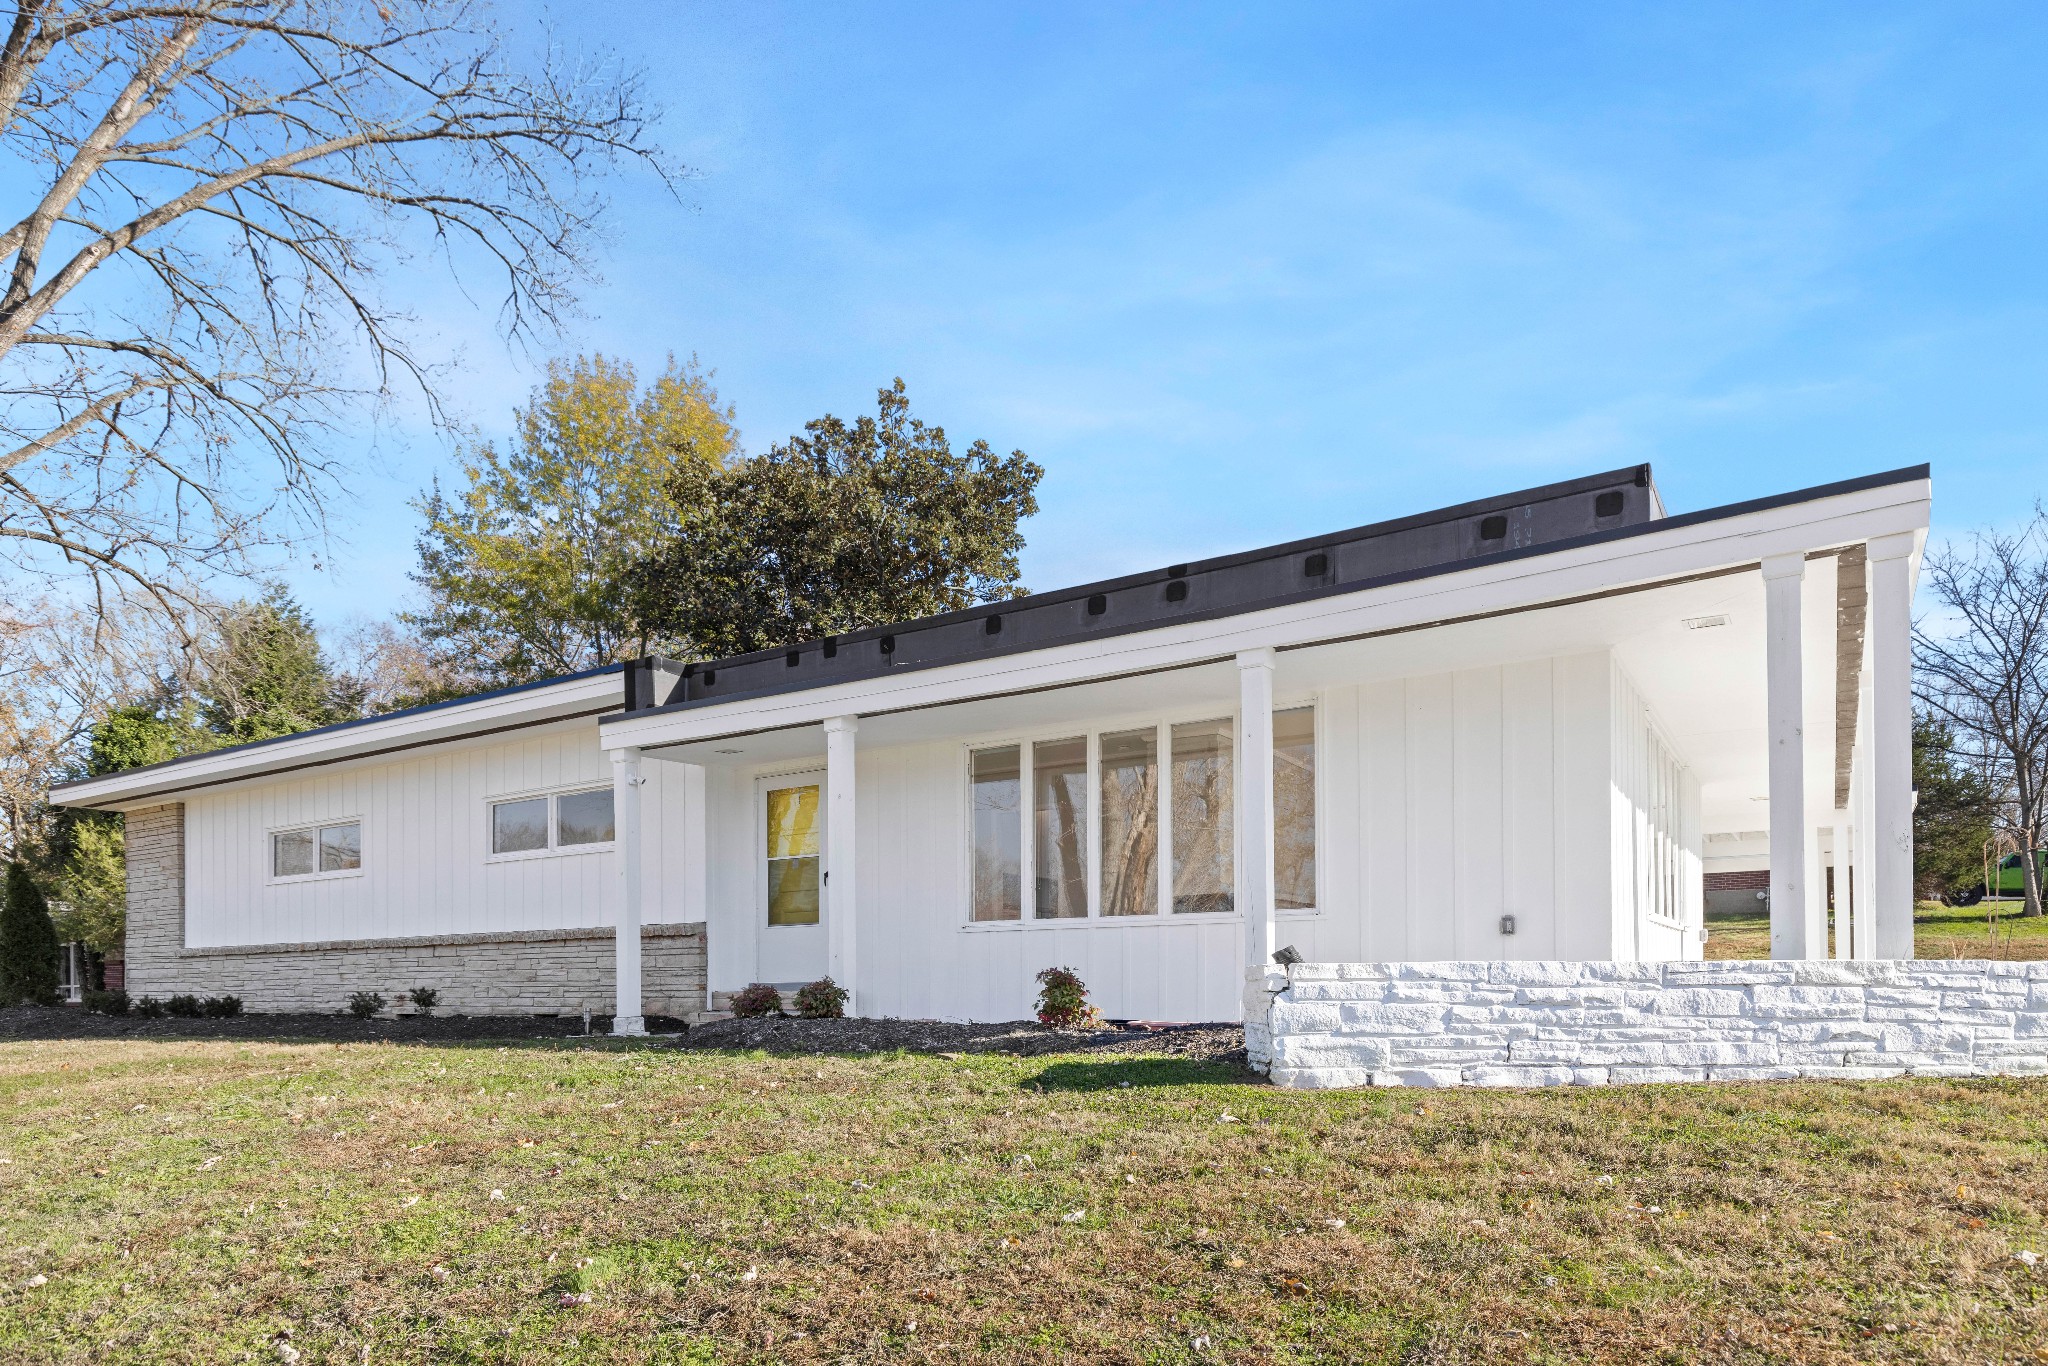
(106, 1002)
(1063, 1001)
(150, 1008)
(221, 1007)
(424, 999)
(364, 1004)
(757, 1002)
(823, 999)
(184, 1007)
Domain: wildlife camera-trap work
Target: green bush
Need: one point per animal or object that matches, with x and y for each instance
(28, 944)
(365, 1004)
(221, 1007)
(424, 999)
(1063, 1001)
(757, 1002)
(106, 1002)
(184, 1007)
(150, 1008)
(823, 999)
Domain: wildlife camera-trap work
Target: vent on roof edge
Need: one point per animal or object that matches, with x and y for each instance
(1493, 528)
(831, 647)
(1608, 504)
(1316, 565)
(790, 659)
(992, 626)
(888, 645)
(1176, 590)
(709, 676)
(1097, 604)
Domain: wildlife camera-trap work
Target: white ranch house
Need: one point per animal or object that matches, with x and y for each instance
(1517, 731)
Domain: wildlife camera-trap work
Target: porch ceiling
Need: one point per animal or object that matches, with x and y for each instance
(1705, 687)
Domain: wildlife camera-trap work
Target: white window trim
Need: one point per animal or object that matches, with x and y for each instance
(1162, 724)
(554, 850)
(274, 878)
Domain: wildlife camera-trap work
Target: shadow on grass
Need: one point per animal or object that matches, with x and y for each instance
(1133, 1073)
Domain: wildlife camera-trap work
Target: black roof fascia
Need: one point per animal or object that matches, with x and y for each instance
(379, 719)
(1286, 550)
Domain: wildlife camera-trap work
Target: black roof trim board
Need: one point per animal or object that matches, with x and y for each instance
(360, 721)
(983, 648)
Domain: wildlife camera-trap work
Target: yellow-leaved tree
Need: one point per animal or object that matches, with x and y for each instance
(523, 567)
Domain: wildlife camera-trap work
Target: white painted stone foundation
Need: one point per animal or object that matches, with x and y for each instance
(1594, 1023)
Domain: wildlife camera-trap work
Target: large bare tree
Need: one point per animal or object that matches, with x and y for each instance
(1982, 665)
(220, 208)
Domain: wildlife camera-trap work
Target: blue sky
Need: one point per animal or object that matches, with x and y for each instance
(1235, 274)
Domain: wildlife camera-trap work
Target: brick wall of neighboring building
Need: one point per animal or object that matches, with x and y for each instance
(526, 972)
(1750, 880)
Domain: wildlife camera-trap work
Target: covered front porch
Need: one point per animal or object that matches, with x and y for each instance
(1510, 762)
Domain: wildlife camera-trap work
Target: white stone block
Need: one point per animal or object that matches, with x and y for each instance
(1320, 1078)
(1393, 1019)
(1445, 971)
(1497, 1075)
(1419, 1076)
(1628, 1076)
(1700, 1001)
(1541, 973)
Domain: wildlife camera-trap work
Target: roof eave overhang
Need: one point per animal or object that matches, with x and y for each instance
(581, 696)
(1688, 546)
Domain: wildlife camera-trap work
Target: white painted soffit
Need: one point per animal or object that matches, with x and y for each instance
(1655, 554)
(513, 709)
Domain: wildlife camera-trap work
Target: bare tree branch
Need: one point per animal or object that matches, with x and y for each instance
(1986, 672)
(228, 188)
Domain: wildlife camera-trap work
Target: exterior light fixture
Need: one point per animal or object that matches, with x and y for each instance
(1287, 957)
(1507, 924)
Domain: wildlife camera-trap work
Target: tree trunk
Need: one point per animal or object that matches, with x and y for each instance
(2030, 872)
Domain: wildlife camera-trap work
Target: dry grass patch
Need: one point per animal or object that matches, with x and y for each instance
(216, 1202)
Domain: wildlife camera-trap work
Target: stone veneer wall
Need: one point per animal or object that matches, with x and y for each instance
(1592, 1023)
(510, 973)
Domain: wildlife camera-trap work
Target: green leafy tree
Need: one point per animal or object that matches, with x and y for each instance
(525, 567)
(92, 889)
(848, 526)
(1953, 814)
(28, 943)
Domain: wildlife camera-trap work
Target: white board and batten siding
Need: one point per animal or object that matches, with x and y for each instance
(425, 841)
(1443, 802)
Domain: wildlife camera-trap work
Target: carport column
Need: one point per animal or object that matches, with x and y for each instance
(1891, 743)
(1845, 935)
(1785, 704)
(626, 781)
(841, 880)
(1254, 890)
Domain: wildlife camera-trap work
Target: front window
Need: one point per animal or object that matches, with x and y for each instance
(1173, 784)
(317, 849)
(556, 822)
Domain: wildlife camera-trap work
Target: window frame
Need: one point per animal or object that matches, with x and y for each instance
(276, 879)
(555, 848)
(1091, 733)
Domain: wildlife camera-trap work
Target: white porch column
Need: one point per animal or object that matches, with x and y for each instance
(1891, 743)
(1254, 890)
(1845, 936)
(1786, 701)
(841, 880)
(627, 1018)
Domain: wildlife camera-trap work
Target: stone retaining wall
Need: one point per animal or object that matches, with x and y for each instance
(522, 972)
(1589, 1024)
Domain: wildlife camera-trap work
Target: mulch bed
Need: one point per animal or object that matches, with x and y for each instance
(1198, 1043)
(73, 1022)
(1025, 1038)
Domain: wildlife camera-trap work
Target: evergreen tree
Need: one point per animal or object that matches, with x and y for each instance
(264, 674)
(1953, 813)
(28, 943)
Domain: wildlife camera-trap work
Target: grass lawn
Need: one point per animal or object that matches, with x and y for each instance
(1990, 929)
(195, 1202)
